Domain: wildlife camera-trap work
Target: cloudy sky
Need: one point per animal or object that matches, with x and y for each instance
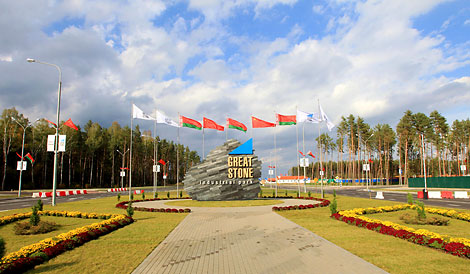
(236, 58)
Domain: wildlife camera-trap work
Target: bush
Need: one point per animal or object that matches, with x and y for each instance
(181, 194)
(130, 209)
(34, 219)
(334, 193)
(286, 193)
(309, 194)
(420, 210)
(155, 195)
(2, 247)
(132, 196)
(143, 195)
(168, 195)
(40, 205)
(333, 207)
(274, 193)
(438, 221)
(119, 197)
(410, 198)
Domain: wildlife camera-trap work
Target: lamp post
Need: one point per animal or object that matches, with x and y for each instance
(22, 152)
(122, 155)
(56, 139)
(368, 169)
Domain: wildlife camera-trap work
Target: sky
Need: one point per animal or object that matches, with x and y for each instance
(237, 58)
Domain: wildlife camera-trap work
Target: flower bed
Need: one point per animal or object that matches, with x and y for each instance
(29, 256)
(123, 205)
(455, 246)
(323, 203)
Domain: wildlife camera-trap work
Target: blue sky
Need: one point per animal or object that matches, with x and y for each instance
(235, 58)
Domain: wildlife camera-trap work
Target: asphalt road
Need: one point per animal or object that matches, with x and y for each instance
(361, 192)
(26, 202)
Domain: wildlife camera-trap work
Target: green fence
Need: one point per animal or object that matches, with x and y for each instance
(441, 182)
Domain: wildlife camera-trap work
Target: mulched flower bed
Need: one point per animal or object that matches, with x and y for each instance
(124, 205)
(323, 203)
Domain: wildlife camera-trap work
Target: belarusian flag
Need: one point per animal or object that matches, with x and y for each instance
(70, 124)
(208, 123)
(258, 123)
(235, 125)
(29, 157)
(187, 122)
(286, 120)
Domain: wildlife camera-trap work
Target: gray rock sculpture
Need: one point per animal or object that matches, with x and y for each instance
(209, 181)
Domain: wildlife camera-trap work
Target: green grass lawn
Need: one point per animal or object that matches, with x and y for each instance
(456, 228)
(191, 203)
(118, 252)
(389, 253)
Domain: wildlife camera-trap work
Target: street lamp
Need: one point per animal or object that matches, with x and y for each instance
(122, 155)
(368, 169)
(22, 151)
(56, 139)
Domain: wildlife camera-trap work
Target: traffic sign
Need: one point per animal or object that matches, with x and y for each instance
(271, 172)
(123, 174)
(18, 165)
(366, 167)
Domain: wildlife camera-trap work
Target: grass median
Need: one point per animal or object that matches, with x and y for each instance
(118, 252)
(389, 253)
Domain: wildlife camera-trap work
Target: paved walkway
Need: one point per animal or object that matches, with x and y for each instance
(247, 240)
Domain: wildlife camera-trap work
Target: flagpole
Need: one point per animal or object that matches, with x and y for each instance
(321, 161)
(297, 152)
(226, 129)
(203, 148)
(177, 160)
(130, 154)
(253, 140)
(303, 148)
(275, 157)
(155, 154)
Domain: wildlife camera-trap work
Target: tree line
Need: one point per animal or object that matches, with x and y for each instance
(417, 139)
(93, 156)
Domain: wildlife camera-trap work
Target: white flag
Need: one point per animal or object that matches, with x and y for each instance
(324, 117)
(303, 116)
(137, 113)
(163, 119)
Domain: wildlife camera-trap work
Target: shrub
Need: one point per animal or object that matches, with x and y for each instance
(34, 219)
(309, 194)
(132, 196)
(155, 195)
(420, 210)
(333, 207)
(181, 194)
(334, 193)
(130, 209)
(143, 195)
(438, 221)
(286, 193)
(40, 205)
(260, 193)
(410, 198)
(119, 197)
(274, 193)
(2, 247)
(168, 195)
(298, 194)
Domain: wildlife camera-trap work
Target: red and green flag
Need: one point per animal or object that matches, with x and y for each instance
(161, 161)
(258, 123)
(29, 157)
(208, 123)
(311, 154)
(286, 120)
(236, 125)
(187, 122)
(70, 124)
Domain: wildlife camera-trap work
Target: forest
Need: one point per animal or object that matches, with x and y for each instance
(417, 139)
(93, 156)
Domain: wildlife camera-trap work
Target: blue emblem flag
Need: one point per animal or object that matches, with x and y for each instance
(245, 148)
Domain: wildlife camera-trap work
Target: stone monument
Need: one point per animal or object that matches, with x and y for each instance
(229, 172)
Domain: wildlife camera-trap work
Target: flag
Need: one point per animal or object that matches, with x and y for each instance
(370, 161)
(323, 116)
(286, 120)
(70, 124)
(30, 158)
(235, 125)
(311, 154)
(162, 162)
(258, 123)
(137, 113)
(301, 153)
(187, 122)
(51, 122)
(18, 155)
(163, 119)
(308, 117)
(208, 123)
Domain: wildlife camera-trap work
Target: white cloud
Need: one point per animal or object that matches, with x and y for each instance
(467, 22)
(6, 58)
